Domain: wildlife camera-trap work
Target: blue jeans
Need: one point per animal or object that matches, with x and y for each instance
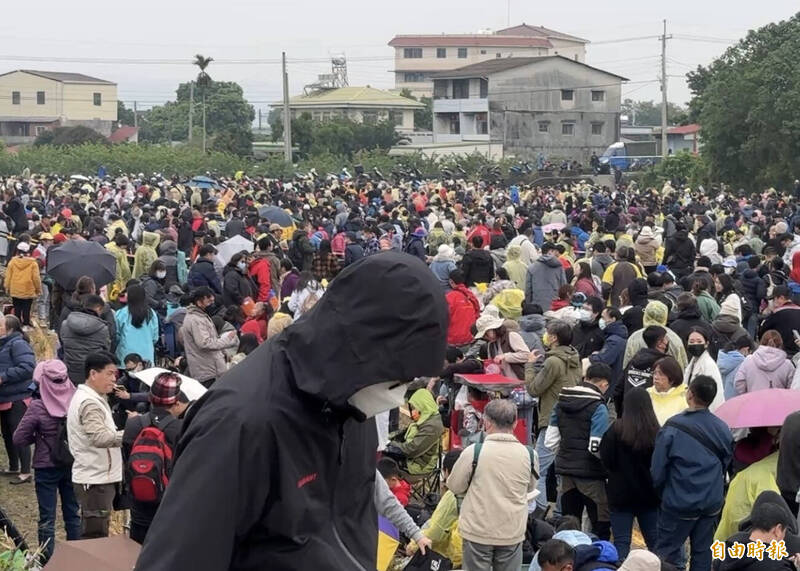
(622, 525)
(49, 483)
(673, 532)
(546, 459)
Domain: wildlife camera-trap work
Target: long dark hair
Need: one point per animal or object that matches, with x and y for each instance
(307, 279)
(584, 271)
(638, 426)
(137, 306)
(324, 249)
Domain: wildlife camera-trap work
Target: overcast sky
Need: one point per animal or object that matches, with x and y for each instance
(317, 29)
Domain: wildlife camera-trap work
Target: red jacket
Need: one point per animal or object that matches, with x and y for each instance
(464, 312)
(483, 232)
(402, 491)
(259, 271)
(255, 326)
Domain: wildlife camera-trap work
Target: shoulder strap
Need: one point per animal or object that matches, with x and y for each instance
(476, 452)
(532, 452)
(704, 440)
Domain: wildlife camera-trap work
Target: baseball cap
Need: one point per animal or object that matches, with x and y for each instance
(24, 247)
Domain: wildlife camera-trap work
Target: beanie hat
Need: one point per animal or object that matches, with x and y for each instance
(732, 306)
(165, 389)
(655, 314)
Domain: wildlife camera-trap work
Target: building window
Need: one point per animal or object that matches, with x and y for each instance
(598, 95)
(412, 53)
(98, 99)
(414, 77)
(441, 52)
(481, 124)
(484, 88)
(462, 53)
(455, 124)
(396, 117)
(326, 116)
(15, 97)
(370, 117)
(544, 126)
(461, 89)
(40, 98)
(597, 128)
(567, 94)
(568, 129)
(38, 130)
(483, 52)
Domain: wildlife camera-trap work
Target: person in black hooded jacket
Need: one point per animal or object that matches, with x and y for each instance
(687, 316)
(679, 253)
(637, 295)
(276, 464)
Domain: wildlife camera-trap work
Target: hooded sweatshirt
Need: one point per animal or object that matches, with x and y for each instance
(82, 333)
(517, 271)
(709, 248)
(728, 363)
(543, 279)
(279, 425)
(767, 368)
(145, 255)
(679, 253)
(562, 368)
(531, 330)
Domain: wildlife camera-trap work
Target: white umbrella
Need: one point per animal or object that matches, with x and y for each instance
(189, 386)
(80, 177)
(231, 246)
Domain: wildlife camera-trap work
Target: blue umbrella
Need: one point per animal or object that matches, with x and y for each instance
(203, 182)
(276, 215)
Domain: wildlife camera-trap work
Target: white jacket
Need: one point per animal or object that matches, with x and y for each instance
(93, 464)
(705, 365)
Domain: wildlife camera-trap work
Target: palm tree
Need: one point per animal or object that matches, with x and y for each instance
(203, 81)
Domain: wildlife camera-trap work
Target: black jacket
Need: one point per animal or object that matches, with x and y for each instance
(629, 486)
(82, 334)
(301, 252)
(679, 253)
(236, 286)
(686, 319)
(478, 267)
(587, 337)
(783, 320)
(235, 227)
(202, 273)
(141, 513)
(275, 469)
(16, 212)
(156, 296)
(754, 288)
(639, 373)
(573, 415)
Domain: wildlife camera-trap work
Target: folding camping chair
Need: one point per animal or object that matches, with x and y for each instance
(425, 487)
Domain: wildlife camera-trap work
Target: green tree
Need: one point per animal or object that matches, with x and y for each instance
(748, 103)
(124, 115)
(649, 113)
(236, 140)
(69, 136)
(423, 118)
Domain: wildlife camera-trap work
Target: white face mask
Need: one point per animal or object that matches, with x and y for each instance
(161, 275)
(379, 398)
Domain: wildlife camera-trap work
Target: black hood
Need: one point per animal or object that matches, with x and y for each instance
(637, 292)
(577, 398)
(691, 312)
(384, 318)
(770, 497)
(645, 358)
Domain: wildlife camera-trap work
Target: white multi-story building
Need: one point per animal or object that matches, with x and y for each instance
(417, 57)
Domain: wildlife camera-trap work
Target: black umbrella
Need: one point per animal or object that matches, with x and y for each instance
(75, 258)
(276, 215)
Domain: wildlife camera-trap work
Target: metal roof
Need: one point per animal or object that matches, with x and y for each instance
(470, 40)
(354, 97)
(540, 31)
(488, 67)
(63, 77)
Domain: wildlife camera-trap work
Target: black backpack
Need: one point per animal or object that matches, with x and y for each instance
(60, 454)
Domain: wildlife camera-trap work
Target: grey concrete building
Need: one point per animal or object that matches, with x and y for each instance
(552, 105)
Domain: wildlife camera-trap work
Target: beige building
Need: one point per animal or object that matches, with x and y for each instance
(359, 104)
(417, 57)
(33, 101)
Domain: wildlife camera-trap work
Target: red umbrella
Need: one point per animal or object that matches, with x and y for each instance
(768, 407)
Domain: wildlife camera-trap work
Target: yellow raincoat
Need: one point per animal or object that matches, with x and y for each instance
(668, 404)
(123, 273)
(743, 491)
(442, 529)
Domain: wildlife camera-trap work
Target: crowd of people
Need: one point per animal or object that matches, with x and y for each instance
(624, 317)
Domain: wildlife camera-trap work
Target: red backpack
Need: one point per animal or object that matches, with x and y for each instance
(150, 462)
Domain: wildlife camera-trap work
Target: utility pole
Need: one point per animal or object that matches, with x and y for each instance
(287, 116)
(664, 143)
(204, 123)
(191, 108)
(259, 119)
(135, 115)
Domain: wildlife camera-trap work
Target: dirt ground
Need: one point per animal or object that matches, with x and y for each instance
(19, 502)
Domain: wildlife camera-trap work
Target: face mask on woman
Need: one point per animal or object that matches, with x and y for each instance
(242, 266)
(161, 275)
(695, 349)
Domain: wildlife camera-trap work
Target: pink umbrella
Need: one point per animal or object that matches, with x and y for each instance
(768, 407)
